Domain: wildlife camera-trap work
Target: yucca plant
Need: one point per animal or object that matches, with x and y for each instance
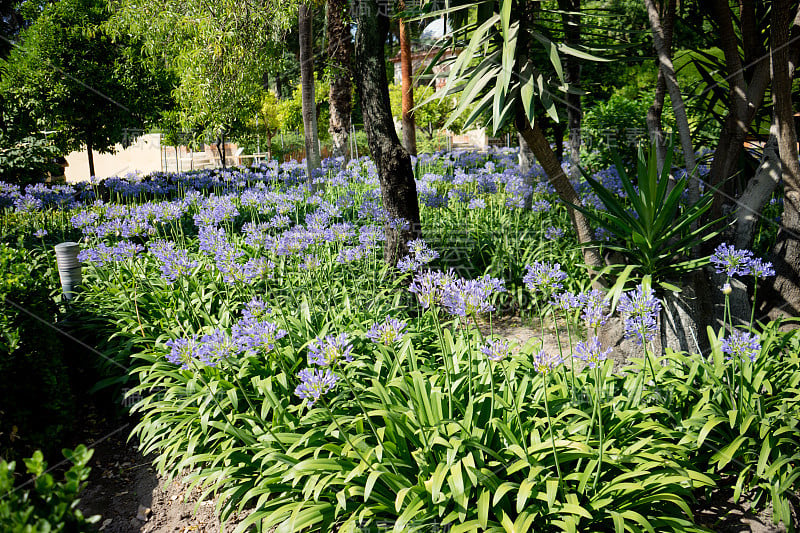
(650, 228)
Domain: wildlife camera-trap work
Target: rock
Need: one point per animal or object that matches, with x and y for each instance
(106, 523)
(143, 513)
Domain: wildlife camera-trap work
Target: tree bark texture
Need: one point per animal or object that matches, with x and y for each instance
(655, 112)
(340, 52)
(540, 147)
(407, 87)
(309, 109)
(786, 254)
(396, 176)
(525, 157)
(743, 101)
(681, 120)
(571, 20)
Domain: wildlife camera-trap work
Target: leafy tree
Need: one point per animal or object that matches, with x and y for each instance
(220, 53)
(69, 75)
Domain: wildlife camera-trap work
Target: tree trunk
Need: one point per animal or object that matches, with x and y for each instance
(758, 191)
(544, 154)
(786, 254)
(525, 157)
(682, 122)
(305, 16)
(89, 147)
(398, 189)
(407, 87)
(571, 20)
(654, 127)
(340, 51)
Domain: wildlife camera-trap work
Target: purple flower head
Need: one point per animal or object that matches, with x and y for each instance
(591, 352)
(544, 277)
(731, 261)
(174, 262)
(407, 264)
(545, 363)
(540, 205)
(761, 269)
(741, 344)
(256, 336)
(421, 252)
(314, 384)
(39, 233)
(330, 350)
(217, 346)
(639, 310)
(477, 203)
(553, 233)
(496, 349)
(389, 332)
(310, 262)
(595, 308)
(182, 351)
(256, 310)
(429, 286)
(464, 297)
(566, 301)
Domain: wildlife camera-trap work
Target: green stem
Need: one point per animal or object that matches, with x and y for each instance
(552, 438)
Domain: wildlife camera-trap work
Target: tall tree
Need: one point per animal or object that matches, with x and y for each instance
(79, 82)
(787, 247)
(340, 52)
(396, 176)
(310, 133)
(409, 124)
(218, 51)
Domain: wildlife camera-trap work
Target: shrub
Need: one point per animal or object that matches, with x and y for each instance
(48, 506)
(29, 160)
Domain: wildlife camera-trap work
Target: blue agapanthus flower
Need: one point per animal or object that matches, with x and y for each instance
(640, 310)
(315, 383)
(742, 345)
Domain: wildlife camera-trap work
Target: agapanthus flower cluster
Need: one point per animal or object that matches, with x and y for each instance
(477, 203)
(174, 261)
(315, 383)
(741, 345)
(467, 297)
(591, 351)
(595, 308)
(388, 332)
(330, 350)
(103, 254)
(496, 349)
(208, 350)
(420, 254)
(544, 362)
(544, 277)
(256, 336)
(733, 262)
(640, 310)
(553, 233)
(566, 301)
(429, 285)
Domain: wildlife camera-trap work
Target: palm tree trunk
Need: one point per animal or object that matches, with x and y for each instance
(305, 16)
(409, 124)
